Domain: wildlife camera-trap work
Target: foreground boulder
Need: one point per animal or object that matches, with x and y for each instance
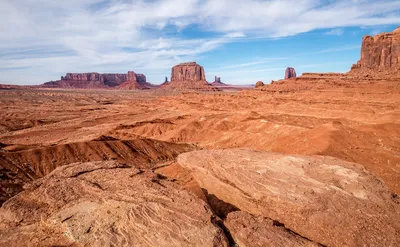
(106, 204)
(323, 199)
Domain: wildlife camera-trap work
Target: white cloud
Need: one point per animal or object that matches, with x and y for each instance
(49, 38)
(335, 31)
(235, 35)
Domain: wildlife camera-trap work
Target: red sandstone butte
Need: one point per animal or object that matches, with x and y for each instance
(290, 73)
(188, 76)
(217, 82)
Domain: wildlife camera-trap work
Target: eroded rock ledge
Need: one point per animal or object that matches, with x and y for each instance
(323, 199)
(107, 204)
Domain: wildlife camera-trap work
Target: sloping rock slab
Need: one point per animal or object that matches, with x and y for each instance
(256, 231)
(326, 200)
(106, 204)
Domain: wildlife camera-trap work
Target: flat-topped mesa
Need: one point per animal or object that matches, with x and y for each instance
(380, 52)
(188, 72)
(290, 73)
(130, 80)
(83, 77)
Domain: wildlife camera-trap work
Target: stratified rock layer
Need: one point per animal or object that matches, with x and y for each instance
(21, 167)
(381, 50)
(106, 204)
(290, 73)
(329, 201)
(380, 55)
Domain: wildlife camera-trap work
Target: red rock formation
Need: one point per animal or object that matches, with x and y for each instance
(290, 73)
(188, 72)
(217, 82)
(113, 80)
(132, 76)
(257, 231)
(107, 203)
(259, 84)
(129, 81)
(83, 77)
(379, 52)
(323, 197)
(188, 76)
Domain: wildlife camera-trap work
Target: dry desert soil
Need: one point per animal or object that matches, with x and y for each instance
(301, 163)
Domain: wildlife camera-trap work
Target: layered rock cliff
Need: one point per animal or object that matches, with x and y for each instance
(83, 77)
(380, 53)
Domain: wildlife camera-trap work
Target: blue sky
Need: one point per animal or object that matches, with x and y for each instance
(241, 41)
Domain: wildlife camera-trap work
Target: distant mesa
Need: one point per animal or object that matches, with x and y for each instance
(380, 53)
(128, 81)
(188, 76)
(290, 73)
(259, 84)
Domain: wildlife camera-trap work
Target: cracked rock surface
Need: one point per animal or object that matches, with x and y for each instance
(325, 200)
(257, 231)
(107, 204)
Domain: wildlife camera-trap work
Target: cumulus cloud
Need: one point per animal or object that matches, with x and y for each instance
(42, 39)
